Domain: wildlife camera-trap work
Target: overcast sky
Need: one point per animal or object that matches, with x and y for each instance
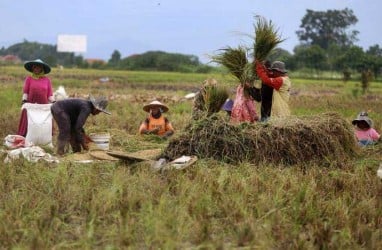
(197, 27)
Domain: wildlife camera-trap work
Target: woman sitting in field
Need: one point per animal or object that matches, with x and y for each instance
(156, 123)
(364, 131)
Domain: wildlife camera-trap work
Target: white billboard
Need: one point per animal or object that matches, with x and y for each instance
(71, 43)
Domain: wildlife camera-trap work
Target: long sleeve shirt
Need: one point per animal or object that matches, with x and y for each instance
(281, 93)
(77, 111)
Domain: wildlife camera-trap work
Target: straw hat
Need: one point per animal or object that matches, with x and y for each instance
(154, 104)
(100, 103)
(363, 116)
(28, 65)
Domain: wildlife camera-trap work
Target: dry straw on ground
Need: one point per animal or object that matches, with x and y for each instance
(320, 138)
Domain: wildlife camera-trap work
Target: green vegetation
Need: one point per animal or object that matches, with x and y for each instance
(119, 205)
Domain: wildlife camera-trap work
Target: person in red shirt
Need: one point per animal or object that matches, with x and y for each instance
(156, 123)
(37, 89)
(281, 85)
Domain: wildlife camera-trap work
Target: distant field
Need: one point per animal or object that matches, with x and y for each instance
(115, 205)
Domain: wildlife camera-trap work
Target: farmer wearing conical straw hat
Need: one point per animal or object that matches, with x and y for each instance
(156, 123)
(37, 89)
(70, 116)
(281, 84)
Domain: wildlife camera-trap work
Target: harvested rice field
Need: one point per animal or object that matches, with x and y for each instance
(296, 183)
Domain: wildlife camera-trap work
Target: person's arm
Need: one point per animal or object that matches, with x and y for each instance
(143, 128)
(81, 119)
(26, 86)
(50, 91)
(262, 74)
(375, 135)
(254, 92)
(169, 129)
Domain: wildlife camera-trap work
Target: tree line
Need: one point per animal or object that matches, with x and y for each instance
(326, 43)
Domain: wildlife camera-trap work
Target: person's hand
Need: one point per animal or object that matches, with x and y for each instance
(154, 131)
(167, 134)
(85, 146)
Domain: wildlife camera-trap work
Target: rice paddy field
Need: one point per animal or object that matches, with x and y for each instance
(334, 203)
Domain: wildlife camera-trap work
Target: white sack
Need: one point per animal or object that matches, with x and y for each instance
(39, 124)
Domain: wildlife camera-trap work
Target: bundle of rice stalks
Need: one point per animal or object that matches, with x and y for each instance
(323, 138)
(235, 60)
(266, 38)
(209, 100)
(214, 98)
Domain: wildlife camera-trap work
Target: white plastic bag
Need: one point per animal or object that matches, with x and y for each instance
(32, 154)
(15, 141)
(39, 124)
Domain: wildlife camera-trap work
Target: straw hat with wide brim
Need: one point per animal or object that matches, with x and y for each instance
(28, 65)
(154, 104)
(363, 116)
(99, 103)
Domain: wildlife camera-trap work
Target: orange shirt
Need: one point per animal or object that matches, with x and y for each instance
(151, 123)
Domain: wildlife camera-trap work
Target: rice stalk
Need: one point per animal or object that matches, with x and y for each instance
(266, 38)
(236, 61)
(214, 98)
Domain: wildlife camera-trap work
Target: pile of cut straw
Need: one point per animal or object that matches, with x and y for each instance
(321, 138)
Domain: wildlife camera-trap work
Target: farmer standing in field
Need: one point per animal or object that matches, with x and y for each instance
(263, 95)
(156, 123)
(70, 116)
(37, 89)
(281, 85)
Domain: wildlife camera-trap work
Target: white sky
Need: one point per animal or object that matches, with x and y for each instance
(197, 27)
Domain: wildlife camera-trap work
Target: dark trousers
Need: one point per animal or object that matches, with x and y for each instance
(266, 101)
(66, 134)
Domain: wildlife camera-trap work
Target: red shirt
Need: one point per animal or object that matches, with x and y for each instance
(275, 82)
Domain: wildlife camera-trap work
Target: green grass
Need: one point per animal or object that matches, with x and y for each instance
(210, 205)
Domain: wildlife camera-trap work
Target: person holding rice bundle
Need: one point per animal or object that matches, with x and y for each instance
(238, 65)
(244, 109)
(156, 123)
(281, 84)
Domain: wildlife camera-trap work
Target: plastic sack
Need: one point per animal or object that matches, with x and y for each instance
(32, 154)
(15, 141)
(39, 124)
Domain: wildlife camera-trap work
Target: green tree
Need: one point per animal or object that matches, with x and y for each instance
(161, 61)
(323, 28)
(115, 59)
(353, 58)
(374, 59)
(310, 56)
